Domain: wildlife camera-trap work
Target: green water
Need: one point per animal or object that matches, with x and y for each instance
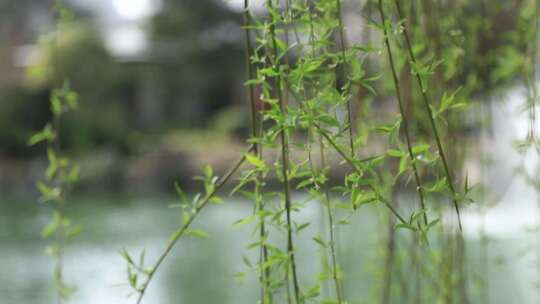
(200, 270)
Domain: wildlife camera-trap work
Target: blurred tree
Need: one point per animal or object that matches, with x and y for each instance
(20, 23)
(104, 86)
(198, 47)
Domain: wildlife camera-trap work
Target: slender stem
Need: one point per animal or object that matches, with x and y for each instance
(59, 234)
(56, 147)
(59, 267)
(256, 126)
(416, 252)
(530, 77)
(346, 85)
(250, 75)
(219, 184)
(430, 114)
(444, 268)
(462, 280)
(351, 162)
(333, 255)
(403, 114)
(330, 213)
(284, 161)
(389, 263)
(344, 59)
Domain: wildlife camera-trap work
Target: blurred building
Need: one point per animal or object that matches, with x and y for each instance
(162, 63)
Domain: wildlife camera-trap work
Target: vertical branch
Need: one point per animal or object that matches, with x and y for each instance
(415, 253)
(284, 138)
(344, 75)
(530, 75)
(388, 269)
(447, 267)
(462, 271)
(256, 128)
(250, 75)
(326, 195)
(402, 111)
(59, 234)
(60, 173)
(55, 147)
(330, 214)
(427, 106)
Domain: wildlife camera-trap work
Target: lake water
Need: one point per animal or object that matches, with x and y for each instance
(202, 270)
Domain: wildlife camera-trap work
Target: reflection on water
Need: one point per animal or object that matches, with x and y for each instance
(200, 271)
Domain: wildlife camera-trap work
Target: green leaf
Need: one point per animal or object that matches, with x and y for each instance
(420, 148)
(73, 175)
(51, 171)
(405, 226)
(245, 220)
(52, 226)
(216, 200)
(247, 261)
(208, 171)
(416, 215)
(125, 254)
(240, 275)
(432, 224)
(329, 120)
(72, 99)
(304, 183)
(403, 165)
(255, 161)
(395, 153)
(47, 193)
(301, 227)
(73, 231)
(181, 193)
(319, 241)
(47, 134)
(439, 186)
(186, 216)
(313, 292)
(197, 233)
(363, 199)
(177, 234)
(256, 81)
(56, 105)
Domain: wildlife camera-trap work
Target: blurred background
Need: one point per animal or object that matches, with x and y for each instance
(152, 76)
(161, 86)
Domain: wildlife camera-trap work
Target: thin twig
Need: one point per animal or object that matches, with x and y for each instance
(256, 126)
(344, 66)
(284, 160)
(219, 184)
(430, 114)
(351, 162)
(403, 115)
(331, 226)
(330, 214)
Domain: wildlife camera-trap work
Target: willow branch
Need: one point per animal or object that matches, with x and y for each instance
(219, 184)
